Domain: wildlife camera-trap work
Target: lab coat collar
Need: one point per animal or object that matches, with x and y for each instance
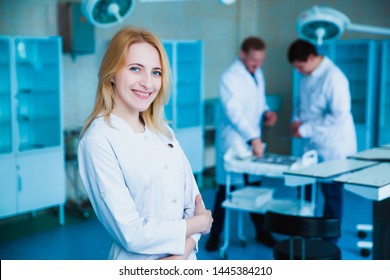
(321, 68)
(117, 123)
(244, 67)
(253, 77)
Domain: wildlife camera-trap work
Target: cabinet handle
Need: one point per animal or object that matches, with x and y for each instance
(19, 184)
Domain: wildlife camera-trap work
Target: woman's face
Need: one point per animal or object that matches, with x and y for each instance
(139, 81)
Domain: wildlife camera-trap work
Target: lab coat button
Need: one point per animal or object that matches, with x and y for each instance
(165, 166)
(174, 200)
(102, 194)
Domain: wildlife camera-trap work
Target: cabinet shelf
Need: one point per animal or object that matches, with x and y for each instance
(26, 119)
(358, 100)
(351, 60)
(31, 146)
(28, 91)
(5, 149)
(35, 63)
(5, 121)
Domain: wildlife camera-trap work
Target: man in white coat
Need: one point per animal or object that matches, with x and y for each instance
(323, 116)
(242, 112)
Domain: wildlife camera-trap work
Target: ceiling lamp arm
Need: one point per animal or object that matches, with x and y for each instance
(369, 29)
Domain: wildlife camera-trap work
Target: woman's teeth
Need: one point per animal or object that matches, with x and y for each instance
(144, 94)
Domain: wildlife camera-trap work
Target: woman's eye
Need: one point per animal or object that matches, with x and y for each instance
(134, 69)
(157, 73)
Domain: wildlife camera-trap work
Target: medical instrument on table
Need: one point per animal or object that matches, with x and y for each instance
(324, 25)
(271, 164)
(260, 200)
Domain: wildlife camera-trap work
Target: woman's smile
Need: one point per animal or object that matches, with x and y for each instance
(141, 93)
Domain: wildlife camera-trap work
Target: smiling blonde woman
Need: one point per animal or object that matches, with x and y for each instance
(137, 177)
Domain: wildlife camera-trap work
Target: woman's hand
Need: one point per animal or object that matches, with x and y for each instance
(189, 247)
(201, 221)
(201, 211)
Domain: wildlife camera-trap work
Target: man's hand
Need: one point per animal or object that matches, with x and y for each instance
(270, 118)
(295, 129)
(257, 147)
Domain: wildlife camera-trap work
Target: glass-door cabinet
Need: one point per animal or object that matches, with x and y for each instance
(8, 186)
(32, 167)
(358, 60)
(185, 108)
(38, 104)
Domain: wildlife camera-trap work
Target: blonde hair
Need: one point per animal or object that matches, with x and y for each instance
(114, 59)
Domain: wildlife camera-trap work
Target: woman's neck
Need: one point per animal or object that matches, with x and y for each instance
(134, 120)
(138, 125)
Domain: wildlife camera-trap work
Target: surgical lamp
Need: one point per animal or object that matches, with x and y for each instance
(106, 13)
(322, 24)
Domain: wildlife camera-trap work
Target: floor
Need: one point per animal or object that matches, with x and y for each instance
(41, 237)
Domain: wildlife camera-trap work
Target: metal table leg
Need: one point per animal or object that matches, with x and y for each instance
(223, 249)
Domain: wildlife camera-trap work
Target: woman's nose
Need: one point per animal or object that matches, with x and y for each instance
(145, 81)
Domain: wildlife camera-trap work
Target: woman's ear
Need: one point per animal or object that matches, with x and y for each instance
(112, 81)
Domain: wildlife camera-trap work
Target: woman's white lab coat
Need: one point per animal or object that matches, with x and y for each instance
(325, 111)
(141, 187)
(241, 111)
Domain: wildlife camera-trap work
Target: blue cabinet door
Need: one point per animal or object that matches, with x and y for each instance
(384, 98)
(358, 60)
(169, 49)
(37, 66)
(5, 98)
(185, 107)
(189, 80)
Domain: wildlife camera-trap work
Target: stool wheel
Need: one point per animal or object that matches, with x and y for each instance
(365, 252)
(362, 234)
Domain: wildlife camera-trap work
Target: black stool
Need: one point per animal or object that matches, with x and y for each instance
(307, 237)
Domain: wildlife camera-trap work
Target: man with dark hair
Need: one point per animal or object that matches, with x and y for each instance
(242, 112)
(323, 116)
